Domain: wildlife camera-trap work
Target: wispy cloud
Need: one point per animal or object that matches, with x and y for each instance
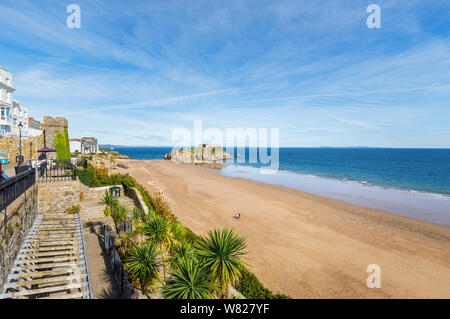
(136, 70)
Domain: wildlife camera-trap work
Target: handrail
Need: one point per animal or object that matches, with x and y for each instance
(91, 293)
(14, 187)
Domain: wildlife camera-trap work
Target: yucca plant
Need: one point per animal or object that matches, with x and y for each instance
(157, 231)
(180, 252)
(143, 265)
(189, 281)
(109, 199)
(177, 230)
(220, 253)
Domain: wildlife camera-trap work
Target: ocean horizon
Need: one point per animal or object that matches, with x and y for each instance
(409, 169)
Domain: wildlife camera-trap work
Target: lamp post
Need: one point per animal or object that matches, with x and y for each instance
(20, 125)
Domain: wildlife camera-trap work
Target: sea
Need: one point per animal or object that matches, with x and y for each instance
(409, 182)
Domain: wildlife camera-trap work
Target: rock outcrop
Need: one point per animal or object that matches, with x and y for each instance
(205, 153)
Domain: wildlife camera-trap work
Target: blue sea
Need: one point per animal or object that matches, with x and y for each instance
(423, 170)
(408, 182)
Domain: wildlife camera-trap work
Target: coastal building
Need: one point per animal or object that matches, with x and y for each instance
(85, 145)
(12, 112)
(6, 102)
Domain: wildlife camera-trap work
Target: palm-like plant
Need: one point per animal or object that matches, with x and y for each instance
(177, 230)
(108, 199)
(220, 253)
(190, 281)
(178, 253)
(157, 231)
(143, 265)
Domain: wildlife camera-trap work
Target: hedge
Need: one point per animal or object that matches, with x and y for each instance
(252, 288)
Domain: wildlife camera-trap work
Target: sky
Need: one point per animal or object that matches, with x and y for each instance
(137, 70)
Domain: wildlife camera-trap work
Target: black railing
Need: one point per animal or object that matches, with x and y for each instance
(14, 187)
(57, 170)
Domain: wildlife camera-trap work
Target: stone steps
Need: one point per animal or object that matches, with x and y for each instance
(52, 261)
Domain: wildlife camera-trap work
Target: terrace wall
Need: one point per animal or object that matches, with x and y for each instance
(15, 222)
(10, 144)
(56, 197)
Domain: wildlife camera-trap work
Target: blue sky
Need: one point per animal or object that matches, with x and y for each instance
(136, 70)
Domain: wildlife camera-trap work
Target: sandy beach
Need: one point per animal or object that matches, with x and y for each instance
(304, 245)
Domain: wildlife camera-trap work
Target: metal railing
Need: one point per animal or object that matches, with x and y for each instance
(14, 187)
(89, 294)
(57, 170)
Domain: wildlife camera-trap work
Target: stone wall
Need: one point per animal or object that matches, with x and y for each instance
(51, 127)
(10, 144)
(99, 192)
(138, 200)
(15, 222)
(56, 197)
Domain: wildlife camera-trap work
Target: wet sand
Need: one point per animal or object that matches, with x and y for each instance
(305, 245)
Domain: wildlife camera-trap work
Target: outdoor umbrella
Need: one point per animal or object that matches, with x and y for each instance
(46, 150)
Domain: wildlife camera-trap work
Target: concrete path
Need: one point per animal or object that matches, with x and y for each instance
(103, 281)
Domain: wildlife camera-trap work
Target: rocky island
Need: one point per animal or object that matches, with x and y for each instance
(203, 154)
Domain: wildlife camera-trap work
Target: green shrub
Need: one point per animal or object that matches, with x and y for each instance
(252, 288)
(119, 213)
(161, 206)
(73, 210)
(87, 177)
(107, 211)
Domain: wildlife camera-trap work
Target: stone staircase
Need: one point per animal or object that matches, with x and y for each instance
(52, 261)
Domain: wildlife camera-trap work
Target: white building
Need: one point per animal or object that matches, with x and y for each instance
(12, 113)
(85, 145)
(6, 102)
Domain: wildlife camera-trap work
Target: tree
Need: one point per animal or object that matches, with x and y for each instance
(157, 231)
(220, 253)
(189, 281)
(143, 265)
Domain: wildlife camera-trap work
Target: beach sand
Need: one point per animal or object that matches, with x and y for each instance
(304, 245)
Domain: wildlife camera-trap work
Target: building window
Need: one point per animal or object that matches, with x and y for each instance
(3, 114)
